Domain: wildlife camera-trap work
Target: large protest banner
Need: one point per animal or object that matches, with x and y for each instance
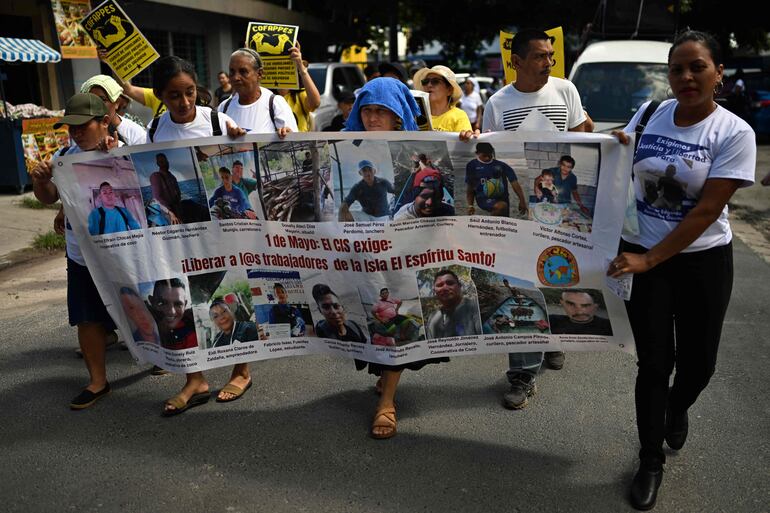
(73, 40)
(259, 248)
(557, 40)
(128, 52)
(274, 42)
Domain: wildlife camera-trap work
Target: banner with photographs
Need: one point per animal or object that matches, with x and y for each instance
(73, 40)
(385, 246)
(274, 42)
(127, 51)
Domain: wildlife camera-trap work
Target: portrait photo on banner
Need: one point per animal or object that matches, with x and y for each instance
(170, 304)
(172, 188)
(392, 306)
(296, 181)
(450, 302)
(509, 304)
(280, 303)
(335, 306)
(230, 175)
(134, 300)
(112, 200)
(577, 311)
(363, 180)
(222, 309)
(422, 162)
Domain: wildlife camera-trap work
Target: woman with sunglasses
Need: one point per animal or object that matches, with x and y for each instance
(444, 95)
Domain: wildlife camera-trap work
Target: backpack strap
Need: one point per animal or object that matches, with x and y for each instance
(226, 104)
(64, 151)
(646, 115)
(271, 108)
(153, 127)
(123, 215)
(215, 128)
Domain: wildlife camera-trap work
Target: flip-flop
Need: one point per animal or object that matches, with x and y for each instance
(384, 418)
(236, 391)
(180, 406)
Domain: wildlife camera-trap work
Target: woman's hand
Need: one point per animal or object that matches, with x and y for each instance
(467, 135)
(626, 263)
(234, 131)
(283, 131)
(622, 136)
(42, 173)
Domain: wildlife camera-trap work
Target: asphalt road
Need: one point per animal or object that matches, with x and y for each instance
(298, 441)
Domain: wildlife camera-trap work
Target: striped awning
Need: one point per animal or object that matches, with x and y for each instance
(26, 50)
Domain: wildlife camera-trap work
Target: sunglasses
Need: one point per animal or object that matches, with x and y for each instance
(433, 81)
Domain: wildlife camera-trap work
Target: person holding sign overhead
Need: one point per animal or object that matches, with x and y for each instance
(307, 98)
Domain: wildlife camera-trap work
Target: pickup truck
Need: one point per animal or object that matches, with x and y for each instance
(331, 78)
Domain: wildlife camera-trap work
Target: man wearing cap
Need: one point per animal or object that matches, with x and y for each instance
(371, 192)
(429, 202)
(487, 180)
(110, 217)
(88, 123)
(108, 90)
(444, 94)
(393, 70)
(536, 101)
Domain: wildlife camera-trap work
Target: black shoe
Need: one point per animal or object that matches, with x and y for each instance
(159, 371)
(86, 398)
(644, 488)
(522, 387)
(676, 429)
(554, 360)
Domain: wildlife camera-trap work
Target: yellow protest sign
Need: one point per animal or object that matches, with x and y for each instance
(354, 54)
(127, 51)
(557, 39)
(73, 40)
(274, 42)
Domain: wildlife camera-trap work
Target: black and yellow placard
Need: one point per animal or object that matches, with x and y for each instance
(424, 121)
(274, 42)
(127, 51)
(557, 40)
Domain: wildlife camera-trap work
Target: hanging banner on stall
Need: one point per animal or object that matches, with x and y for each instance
(40, 140)
(73, 40)
(274, 42)
(127, 51)
(380, 246)
(557, 40)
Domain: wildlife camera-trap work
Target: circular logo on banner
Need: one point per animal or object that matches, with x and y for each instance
(557, 267)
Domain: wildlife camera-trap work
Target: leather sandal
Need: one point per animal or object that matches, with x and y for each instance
(234, 390)
(384, 418)
(181, 406)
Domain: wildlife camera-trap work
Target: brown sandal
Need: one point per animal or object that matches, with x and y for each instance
(384, 418)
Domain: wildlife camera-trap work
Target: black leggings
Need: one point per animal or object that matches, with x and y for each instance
(676, 312)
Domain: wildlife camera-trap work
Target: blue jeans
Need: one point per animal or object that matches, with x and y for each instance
(519, 363)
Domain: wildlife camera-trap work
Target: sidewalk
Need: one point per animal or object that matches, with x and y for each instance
(20, 225)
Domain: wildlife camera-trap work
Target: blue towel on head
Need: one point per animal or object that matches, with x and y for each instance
(389, 93)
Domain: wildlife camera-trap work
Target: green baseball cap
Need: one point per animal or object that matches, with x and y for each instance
(80, 109)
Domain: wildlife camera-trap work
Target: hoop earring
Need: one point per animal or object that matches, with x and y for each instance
(669, 93)
(718, 88)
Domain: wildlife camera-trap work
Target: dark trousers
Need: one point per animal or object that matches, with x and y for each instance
(676, 312)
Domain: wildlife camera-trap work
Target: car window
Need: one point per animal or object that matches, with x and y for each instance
(614, 91)
(319, 77)
(354, 79)
(339, 83)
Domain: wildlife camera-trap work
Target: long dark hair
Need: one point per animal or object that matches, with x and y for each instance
(166, 68)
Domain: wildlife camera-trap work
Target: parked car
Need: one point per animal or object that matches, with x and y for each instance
(614, 78)
(331, 78)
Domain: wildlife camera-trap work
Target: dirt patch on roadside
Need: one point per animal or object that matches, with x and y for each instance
(33, 284)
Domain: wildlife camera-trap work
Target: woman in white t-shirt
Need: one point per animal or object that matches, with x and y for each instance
(692, 156)
(174, 81)
(252, 106)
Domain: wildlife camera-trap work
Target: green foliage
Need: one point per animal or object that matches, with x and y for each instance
(48, 241)
(241, 289)
(33, 203)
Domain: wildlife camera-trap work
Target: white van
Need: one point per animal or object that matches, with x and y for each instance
(615, 77)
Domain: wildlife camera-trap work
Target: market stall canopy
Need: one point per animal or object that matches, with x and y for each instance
(26, 50)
